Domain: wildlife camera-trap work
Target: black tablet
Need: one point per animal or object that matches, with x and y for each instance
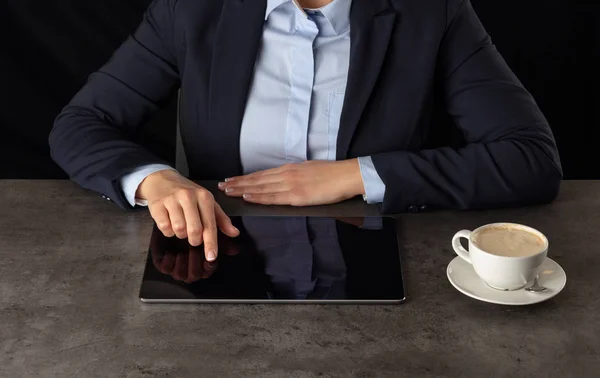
(281, 260)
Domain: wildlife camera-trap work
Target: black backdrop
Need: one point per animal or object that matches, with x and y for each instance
(48, 48)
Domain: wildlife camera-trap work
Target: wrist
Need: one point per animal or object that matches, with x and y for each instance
(353, 178)
(153, 181)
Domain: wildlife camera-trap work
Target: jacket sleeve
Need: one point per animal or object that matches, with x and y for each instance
(91, 136)
(510, 158)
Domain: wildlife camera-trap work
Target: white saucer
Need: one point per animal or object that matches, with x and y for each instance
(463, 277)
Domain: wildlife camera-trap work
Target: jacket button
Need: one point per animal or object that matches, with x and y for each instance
(413, 209)
(423, 208)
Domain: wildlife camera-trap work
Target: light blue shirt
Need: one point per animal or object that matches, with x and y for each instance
(295, 102)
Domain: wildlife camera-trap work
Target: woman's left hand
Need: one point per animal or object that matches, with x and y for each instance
(304, 184)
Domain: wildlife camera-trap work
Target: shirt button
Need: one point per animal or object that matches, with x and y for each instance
(413, 209)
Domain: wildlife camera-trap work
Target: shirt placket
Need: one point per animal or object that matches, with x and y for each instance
(301, 83)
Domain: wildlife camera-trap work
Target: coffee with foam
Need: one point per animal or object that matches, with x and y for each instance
(509, 241)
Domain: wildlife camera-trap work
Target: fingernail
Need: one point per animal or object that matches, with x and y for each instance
(236, 229)
(211, 256)
(221, 184)
(247, 196)
(229, 190)
(228, 179)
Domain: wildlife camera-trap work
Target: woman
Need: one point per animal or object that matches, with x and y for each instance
(306, 103)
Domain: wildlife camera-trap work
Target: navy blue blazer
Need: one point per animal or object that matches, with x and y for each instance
(409, 58)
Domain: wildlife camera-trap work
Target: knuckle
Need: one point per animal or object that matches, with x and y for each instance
(163, 225)
(169, 201)
(185, 195)
(205, 195)
(195, 230)
(178, 227)
(210, 228)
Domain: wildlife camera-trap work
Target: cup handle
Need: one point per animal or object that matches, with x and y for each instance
(458, 248)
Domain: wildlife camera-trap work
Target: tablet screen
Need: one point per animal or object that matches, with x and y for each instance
(281, 260)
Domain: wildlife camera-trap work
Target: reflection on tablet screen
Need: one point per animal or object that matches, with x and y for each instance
(285, 259)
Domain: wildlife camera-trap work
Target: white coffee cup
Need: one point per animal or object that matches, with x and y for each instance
(501, 272)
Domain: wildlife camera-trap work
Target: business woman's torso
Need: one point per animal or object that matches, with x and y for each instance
(388, 96)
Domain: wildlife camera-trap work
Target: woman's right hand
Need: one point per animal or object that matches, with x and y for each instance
(184, 209)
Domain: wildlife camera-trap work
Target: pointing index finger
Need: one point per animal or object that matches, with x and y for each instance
(207, 213)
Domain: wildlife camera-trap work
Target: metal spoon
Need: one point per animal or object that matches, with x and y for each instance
(535, 287)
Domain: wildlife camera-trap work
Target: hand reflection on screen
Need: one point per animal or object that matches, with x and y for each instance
(178, 259)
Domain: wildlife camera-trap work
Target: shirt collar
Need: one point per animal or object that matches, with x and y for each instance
(337, 12)
(272, 4)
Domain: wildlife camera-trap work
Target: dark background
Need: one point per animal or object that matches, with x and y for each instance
(48, 48)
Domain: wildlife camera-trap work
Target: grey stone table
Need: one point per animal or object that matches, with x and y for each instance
(71, 264)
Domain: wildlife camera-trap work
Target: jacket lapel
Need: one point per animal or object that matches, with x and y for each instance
(236, 47)
(371, 23)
